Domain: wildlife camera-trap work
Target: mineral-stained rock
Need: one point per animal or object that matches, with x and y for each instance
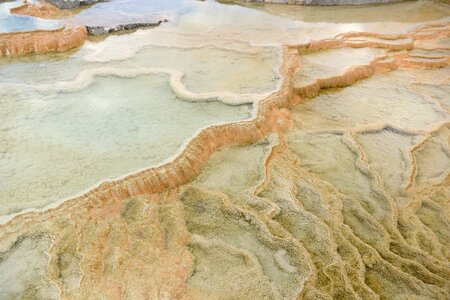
(41, 10)
(100, 30)
(41, 41)
(330, 217)
(69, 4)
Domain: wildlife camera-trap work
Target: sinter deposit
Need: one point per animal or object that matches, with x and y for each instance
(226, 154)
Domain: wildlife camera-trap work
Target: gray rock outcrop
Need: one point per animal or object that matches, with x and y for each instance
(69, 4)
(101, 30)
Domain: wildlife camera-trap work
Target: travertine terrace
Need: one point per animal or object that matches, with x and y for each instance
(337, 188)
(41, 10)
(39, 42)
(63, 39)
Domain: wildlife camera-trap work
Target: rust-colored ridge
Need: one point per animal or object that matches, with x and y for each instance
(108, 242)
(41, 41)
(41, 10)
(273, 116)
(398, 55)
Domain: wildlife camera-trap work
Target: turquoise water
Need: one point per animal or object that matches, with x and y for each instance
(11, 23)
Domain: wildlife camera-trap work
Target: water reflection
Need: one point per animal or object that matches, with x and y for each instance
(130, 11)
(405, 12)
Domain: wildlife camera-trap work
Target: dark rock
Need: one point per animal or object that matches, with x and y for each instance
(100, 30)
(69, 4)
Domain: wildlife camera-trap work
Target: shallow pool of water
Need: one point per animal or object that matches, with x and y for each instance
(11, 22)
(349, 203)
(118, 104)
(63, 142)
(405, 12)
(115, 12)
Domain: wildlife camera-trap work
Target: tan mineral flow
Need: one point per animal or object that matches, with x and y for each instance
(41, 41)
(317, 213)
(41, 9)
